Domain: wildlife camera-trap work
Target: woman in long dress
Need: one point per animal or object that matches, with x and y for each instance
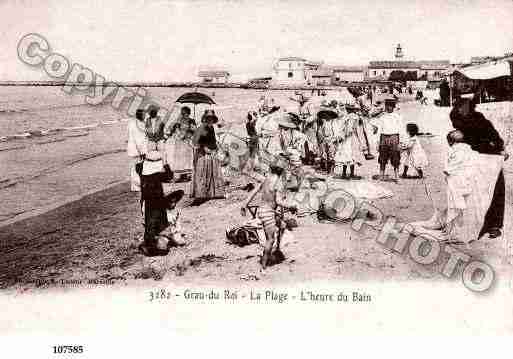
(154, 172)
(480, 134)
(179, 149)
(136, 147)
(207, 180)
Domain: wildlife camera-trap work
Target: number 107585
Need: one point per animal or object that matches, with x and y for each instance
(68, 349)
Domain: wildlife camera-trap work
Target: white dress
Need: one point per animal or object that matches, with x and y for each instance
(349, 150)
(414, 155)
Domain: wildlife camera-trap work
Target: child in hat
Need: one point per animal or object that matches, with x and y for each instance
(414, 155)
(389, 127)
(273, 196)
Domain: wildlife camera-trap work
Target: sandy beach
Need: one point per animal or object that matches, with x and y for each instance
(95, 237)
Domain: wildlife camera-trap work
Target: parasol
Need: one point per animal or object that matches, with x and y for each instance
(195, 98)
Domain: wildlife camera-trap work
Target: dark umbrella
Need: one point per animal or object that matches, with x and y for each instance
(195, 98)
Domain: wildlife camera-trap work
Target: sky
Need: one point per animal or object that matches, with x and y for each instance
(157, 40)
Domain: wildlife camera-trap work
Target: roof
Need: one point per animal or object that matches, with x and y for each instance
(292, 59)
(261, 79)
(322, 73)
(425, 65)
(348, 68)
(434, 65)
(487, 71)
(218, 73)
(393, 65)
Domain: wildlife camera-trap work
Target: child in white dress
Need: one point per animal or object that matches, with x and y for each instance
(349, 148)
(413, 153)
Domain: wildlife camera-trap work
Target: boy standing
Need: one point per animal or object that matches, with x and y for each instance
(389, 126)
(273, 195)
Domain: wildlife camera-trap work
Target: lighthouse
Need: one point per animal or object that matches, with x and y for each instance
(399, 52)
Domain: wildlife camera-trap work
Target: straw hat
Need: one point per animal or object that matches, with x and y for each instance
(327, 113)
(287, 121)
(274, 109)
(351, 108)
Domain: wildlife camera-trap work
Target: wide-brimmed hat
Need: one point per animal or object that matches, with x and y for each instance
(351, 107)
(209, 115)
(327, 113)
(287, 121)
(274, 109)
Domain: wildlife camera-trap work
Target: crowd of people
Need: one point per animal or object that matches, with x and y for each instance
(325, 137)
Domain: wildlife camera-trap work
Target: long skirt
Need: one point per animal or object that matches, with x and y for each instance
(179, 155)
(207, 180)
(155, 216)
(494, 218)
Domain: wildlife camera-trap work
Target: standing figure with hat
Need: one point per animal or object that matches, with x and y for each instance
(153, 172)
(389, 127)
(349, 150)
(291, 144)
(207, 180)
(326, 138)
(274, 197)
(136, 147)
(179, 150)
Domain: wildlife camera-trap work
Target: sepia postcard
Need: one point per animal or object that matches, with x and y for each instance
(250, 169)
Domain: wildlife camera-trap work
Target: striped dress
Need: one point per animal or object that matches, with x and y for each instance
(207, 179)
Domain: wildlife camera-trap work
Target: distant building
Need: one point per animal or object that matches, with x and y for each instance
(215, 77)
(430, 70)
(345, 74)
(259, 82)
(321, 77)
(290, 71)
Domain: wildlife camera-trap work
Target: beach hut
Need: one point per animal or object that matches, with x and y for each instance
(490, 82)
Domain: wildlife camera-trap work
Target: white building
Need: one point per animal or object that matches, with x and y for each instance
(292, 71)
(345, 74)
(321, 77)
(424, 70)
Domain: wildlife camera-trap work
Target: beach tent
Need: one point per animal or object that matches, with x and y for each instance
(491, 81)
(488, 71)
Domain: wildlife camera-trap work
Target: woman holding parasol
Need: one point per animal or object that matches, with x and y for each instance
(207, 181)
